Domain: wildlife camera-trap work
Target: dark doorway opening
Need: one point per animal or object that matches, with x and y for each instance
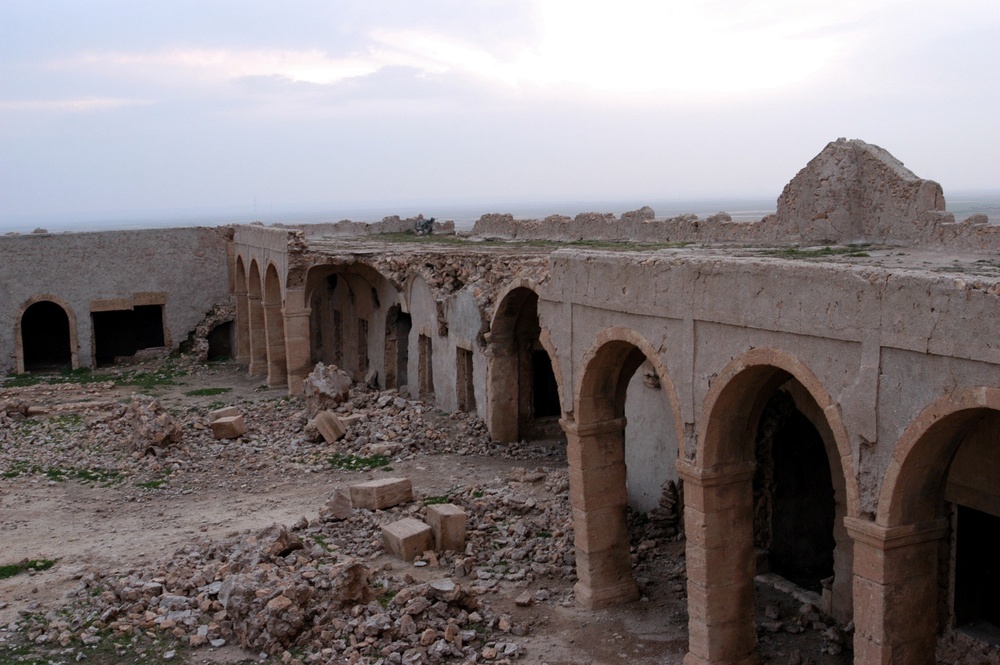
(220, 342)
(120, 333)
(977, 568)
(425, 366)
(544, 389)
(465, 386)
(397, 347)
(794, 504)
(45, 337)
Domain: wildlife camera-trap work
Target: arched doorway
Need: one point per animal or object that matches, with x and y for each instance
(598, 473)
(524, 394)
(242, 313)
(766, 493)
(47, 337)
(349, 311)
(274, 326)
(258, 325)
(935, 536)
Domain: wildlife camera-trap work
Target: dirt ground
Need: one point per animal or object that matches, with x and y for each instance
(126, 526)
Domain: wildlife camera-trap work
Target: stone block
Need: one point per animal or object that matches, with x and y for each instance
(406, 538)
(223, 413)
(447, 522)
(351, 420)
(381, 493)
(230, 427)
(330, 426)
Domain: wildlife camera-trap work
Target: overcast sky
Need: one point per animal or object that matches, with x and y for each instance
(150, 108)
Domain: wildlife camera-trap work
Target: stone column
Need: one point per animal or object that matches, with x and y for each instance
(277, 367)
(895, 591)
(298, 346)
(596, 456)
(242, 327)
(258, 336)
(502, 400)
(718, 523)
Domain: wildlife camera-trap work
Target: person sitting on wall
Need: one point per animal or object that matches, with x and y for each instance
(424, 226)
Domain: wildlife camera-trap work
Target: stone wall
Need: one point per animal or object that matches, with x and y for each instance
(851, 192)
(184, 269)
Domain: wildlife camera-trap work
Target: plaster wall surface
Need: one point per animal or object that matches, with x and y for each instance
(464, 326)
(650, 440)
(185, 267)
(883, 344)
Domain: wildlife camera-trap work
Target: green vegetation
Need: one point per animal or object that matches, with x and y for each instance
(385, 598)
(12, 569)
(820, 252)
(106, 477)
(206, 392)
(359, 462)
(152, 484)
(163, 376)
(409, 237)
(441, 498)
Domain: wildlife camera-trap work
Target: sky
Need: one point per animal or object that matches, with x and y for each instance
(233, 107)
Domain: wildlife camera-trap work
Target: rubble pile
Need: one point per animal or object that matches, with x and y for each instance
(147, 427)
(270, 591)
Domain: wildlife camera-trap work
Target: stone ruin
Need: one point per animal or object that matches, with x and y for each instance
(825, 375)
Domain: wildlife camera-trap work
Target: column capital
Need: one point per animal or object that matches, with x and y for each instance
(572, 428)
(720, 474)
(889, 537)
(296, 313)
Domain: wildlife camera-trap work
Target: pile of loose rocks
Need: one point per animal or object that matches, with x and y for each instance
(318, 588)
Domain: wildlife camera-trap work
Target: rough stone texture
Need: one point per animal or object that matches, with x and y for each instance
(447, 522)
(855, 191)
(151, 428)
(326, 387)
(199, 336)
(224, 412)
(229, 427)
(381, 493)
(329, 426)
(407, 538)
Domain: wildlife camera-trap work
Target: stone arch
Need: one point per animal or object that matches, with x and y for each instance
(274, 328)
(66, 338)
(524, 376)
(929, 508)
(912, 485)
(597, 471)
(349, 304)
(255, 308)
(720, 502)
(242, 312)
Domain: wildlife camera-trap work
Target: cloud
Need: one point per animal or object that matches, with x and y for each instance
(70, 105)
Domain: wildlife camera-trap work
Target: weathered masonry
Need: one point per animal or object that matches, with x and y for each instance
(834, 415)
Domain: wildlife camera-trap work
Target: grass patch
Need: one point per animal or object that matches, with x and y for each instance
(106, 477)
(410, 237)
(819, 252)
(207, 392)
(163, 376)
(358, 462)
(385, 598)
(12, 569)
(441, 498)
